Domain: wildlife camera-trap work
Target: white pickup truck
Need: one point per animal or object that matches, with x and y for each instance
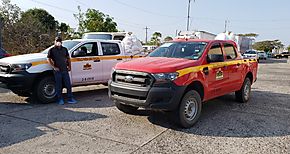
(92, 62)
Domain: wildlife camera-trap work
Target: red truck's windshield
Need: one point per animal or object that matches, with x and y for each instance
(187, 50)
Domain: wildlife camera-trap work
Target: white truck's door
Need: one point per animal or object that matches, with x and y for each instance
(86, 66)
(110, 56)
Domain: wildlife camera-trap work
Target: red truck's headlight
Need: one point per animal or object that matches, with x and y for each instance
(163, 77)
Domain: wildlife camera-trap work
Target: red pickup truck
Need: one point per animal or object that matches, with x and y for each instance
(180, 75)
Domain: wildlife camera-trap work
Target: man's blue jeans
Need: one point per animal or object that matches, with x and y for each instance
(59, 78)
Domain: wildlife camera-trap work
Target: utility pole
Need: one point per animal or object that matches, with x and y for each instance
(226, 24)
(188, 14)
(146, 34)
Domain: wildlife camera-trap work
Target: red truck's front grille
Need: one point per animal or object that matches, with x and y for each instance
(132, 78)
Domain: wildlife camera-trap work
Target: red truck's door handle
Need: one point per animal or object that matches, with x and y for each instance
(205, 70)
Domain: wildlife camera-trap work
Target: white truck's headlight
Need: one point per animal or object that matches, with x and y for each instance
(112, 72)
(20, 67)
(163, 77)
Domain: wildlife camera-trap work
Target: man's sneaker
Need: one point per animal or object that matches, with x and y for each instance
(72, 101)
(60, 102)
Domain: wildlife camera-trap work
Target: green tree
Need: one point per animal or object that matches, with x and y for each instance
(288, 48)
(156, 38)
(80, 17)
(63, 27)
(10, 14)
(29, 31)
(32, 36)
(249, 35)
(168, 38)
(94, 21)
(97, 21)
(268, 45)
(47, 20)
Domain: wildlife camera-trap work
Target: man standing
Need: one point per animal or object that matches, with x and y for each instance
(58, 58)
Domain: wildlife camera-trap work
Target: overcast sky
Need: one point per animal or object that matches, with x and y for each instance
(269, 18)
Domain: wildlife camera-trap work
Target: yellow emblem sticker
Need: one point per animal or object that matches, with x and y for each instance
(87, 66)
(219, 75)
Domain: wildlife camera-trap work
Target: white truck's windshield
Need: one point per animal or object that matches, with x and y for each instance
(187, 50)
(68, 44)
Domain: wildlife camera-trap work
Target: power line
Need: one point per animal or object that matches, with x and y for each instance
(81, 3)
(143, 10)
(53, 6)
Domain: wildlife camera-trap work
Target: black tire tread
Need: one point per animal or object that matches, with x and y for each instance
(239, 94)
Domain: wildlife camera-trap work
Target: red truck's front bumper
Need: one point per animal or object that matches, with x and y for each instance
(165, 96)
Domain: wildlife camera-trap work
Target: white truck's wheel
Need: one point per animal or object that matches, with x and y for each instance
(45, 90)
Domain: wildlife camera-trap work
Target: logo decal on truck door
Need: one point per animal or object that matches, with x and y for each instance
(219, 75)
(87, 66)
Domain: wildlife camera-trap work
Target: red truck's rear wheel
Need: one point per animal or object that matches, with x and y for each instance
(189, 110)
(243, 95)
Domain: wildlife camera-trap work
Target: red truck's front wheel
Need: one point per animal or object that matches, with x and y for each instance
(189, 110)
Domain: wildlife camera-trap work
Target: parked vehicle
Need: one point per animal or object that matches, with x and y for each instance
(251, 54)
(270, 55)
(179, 75)
(262, 55)
(3, 53)
(282, 55)
(92, 62)
(105, 35)
(149, 48)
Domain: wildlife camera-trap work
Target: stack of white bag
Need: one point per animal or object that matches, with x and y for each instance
(226, 36)
(132, 45)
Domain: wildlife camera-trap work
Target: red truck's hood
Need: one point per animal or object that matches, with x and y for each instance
(156, 64)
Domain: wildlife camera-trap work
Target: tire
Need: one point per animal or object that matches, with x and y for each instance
(189, 109)
(45, 91)
(243, 95)
(22, 93)
(126, 108)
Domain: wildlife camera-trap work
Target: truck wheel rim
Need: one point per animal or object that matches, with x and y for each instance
(190, 109)
(49, 90)
(247, 91)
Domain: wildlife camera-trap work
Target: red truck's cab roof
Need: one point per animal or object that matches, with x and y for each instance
(169, 64)
(202, 40)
